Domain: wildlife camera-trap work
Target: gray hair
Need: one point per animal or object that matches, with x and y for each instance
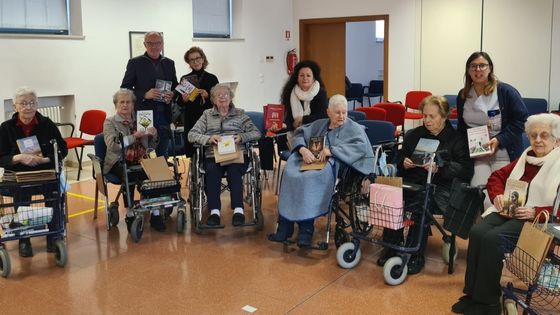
(123, 92)
(221, 86)
(338, 99)
(153, 33)
(552, 120)
(24, 91)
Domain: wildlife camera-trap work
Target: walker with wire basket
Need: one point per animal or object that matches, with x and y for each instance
(34, 214)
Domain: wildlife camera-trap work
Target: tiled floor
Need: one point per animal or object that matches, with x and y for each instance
(217, 272)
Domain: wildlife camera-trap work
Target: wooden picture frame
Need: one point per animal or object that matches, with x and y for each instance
(136, 43)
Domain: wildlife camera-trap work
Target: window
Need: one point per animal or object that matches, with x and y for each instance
(34, 16)
(212, 18)
(379, 31)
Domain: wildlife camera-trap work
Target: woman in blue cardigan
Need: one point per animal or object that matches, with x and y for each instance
(484, 101)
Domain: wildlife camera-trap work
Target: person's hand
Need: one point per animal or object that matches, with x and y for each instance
(31, 160)
(433, 166)
(499, 202)
(152, 93)
(139, 134)
(237, 139)
(275, 128)
(324, 154)
(307, 156)
(408, 164)
(168, 96)
(186, 97)
(152, 131)
(214, 139)
(493, 145)
(525, 213)
(203, 93)
(298, 121)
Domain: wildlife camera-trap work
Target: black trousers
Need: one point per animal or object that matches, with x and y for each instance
(484, 257)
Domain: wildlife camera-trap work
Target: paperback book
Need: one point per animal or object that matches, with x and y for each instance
(186, 87)
(423, 151)
(515, 195)
(163, 86)
(273, 116)
(144, 120)
(316, 145)
(478, 137)
(29, 145)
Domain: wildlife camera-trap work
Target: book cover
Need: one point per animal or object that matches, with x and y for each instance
(316, 145)
(423, 150)
(162, 86)
(144, 120)
(273, 116)
(226, 145)
(478, 137)
(515, 195)
(186, 87)
(29, 145)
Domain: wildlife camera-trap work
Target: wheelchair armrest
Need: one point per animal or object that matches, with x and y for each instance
(71, 125)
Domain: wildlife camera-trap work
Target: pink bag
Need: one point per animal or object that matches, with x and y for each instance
(386, 206)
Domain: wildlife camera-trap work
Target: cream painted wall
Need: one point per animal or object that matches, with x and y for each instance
(555, 61)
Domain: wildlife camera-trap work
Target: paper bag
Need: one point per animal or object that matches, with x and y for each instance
(230, 157)
(157, 169)
(386, 206)
(389, 180)
(532, 246)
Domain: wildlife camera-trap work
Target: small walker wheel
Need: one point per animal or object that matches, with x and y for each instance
(446, 250)
(114, 214)
(5, 264)
(60, 253)
(260, 220)
(137, 228)
(181, 220)
(392, 271)
(345, 258)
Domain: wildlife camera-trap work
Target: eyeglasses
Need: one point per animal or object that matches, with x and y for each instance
(30, 104)
(543, 135)
(153, 44)
(195, 59)
(222, 95)
(480, 66)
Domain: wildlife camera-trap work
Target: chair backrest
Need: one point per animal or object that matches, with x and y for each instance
(356, 92)
(92, 122)
(414, 98)
(379, 131)
(375, 87)
(451, 100)
(535, 105)
(373, 113)
(395, 112)
(258, 120)
(356, 115)
(99, 146)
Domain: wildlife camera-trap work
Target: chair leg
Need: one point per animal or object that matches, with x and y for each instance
(278, 175)
(96, 203)
(80, 161)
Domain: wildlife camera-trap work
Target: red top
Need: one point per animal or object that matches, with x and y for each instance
(27, 128)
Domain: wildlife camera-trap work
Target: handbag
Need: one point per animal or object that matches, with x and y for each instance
(465, 205)
(135, 153)
(386, 206)
(532, 247)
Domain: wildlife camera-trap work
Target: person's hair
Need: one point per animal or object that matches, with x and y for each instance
(292, 80)
(123, 92)
(153, 33)
(24, 91)
(439, 101)
(199, 50)
(492, 80)
(338, 99)
(552, 120)
(222, 86)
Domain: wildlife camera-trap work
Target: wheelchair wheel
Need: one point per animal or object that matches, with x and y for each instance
(5, 263)
(345, 258)
(394, 272)
(114, 213)
(181, 219)
(137, 228)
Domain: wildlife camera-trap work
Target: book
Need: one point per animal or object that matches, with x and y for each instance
(163, 86)
(424, 148)
(478, 137)
(144, 120)
(29, 145)
(273, 116)
(186, 87)
(226, 145)
(316, 145)
(515, 195)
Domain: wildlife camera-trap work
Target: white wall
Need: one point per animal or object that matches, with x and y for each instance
(364, 56)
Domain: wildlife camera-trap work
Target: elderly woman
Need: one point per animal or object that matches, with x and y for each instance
(27, 122)
(306, 195)
(136, 141)
(454, 162)
(204, 81)
(538, 165)
(224, 120)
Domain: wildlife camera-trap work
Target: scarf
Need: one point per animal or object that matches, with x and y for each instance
(299, 95)
(543, 187)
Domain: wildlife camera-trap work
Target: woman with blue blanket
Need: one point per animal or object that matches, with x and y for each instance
(305, 195)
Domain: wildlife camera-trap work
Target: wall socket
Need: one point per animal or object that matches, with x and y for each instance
(269, 58)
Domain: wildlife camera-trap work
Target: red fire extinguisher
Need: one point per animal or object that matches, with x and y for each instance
(291, 61)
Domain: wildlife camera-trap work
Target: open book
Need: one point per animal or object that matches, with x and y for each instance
(424, 148)
(515, 195)
(478, 137)
(316, 145)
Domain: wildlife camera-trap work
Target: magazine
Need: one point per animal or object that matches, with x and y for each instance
(478, 137)
(273, 116)
(515, 195)
(423, 151)
(29, 145)
(163, 86)
(144, 120)
(316, 145)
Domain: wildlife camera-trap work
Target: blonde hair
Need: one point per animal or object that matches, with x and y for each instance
(439, 101)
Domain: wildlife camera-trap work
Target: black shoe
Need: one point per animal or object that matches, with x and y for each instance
(51, 244)
(238, 219)
(415, 264)
(284, 231)
(385, 254)
(213, 220)
(305, 235)
(464, 303)
(156, 222)
(25, 249)
(486, 309)
(128, 221)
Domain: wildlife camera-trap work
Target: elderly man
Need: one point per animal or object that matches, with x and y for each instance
(142, 73)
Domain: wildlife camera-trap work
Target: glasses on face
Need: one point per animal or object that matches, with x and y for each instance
(30, 104)
(222, 95)
(153, 44)
(478, 66)
(544, 136)
(197, 59)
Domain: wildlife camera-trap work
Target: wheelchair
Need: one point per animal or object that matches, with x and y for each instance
(252, 190)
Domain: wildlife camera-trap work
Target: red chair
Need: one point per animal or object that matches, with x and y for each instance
(453, 113)
(412, 101)
(373, 113)
(395, 114)
(90, 124)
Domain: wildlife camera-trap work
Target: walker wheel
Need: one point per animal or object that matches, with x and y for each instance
(181, 220)
(60, 253)
(345, 257)
(114, 214)
(137, 228)
(394, 272)
(5, 264)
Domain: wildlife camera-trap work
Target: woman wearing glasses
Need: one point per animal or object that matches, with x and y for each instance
(194, 104)
(484, 101)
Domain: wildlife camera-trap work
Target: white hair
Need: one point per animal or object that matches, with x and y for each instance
(24, 91)
(338, 99)
(552, 120)
(126, 92)
(153, 33)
